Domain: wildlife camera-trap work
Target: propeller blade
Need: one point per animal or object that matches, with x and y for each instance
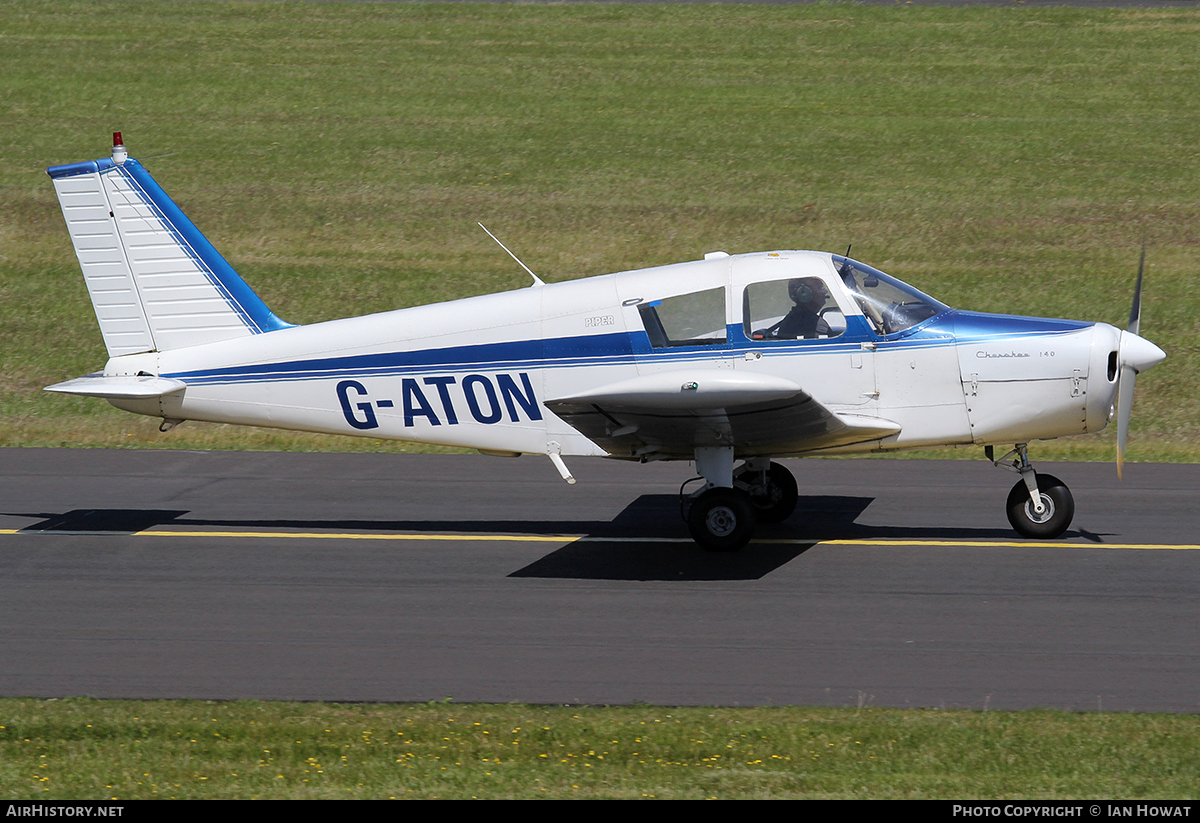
(1125, 383)
(1135, 314)
(1136, 355)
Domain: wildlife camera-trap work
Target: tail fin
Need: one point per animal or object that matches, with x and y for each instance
(155, 281)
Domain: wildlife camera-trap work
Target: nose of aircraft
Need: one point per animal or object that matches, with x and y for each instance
(1139, 353)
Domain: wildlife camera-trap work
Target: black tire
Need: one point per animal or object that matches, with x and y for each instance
(777, 502)
(1060, 509)
(722, 520)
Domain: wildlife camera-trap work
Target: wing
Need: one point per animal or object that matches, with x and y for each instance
(671, 413)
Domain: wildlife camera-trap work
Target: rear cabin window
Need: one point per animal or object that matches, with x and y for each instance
(696, 319)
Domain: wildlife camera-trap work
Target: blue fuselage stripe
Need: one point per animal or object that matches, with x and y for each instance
(621, 348)
(568, 352)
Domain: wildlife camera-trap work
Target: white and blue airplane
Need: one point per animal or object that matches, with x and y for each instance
(729, 361)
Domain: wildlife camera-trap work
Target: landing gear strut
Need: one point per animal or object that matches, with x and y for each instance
(1040, 506)
(722, 516)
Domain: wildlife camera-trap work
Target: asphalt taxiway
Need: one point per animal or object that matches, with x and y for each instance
(224, 575)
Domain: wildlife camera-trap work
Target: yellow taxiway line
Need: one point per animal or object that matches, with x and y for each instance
(512, 538)
(1001, 544)
(566, 538)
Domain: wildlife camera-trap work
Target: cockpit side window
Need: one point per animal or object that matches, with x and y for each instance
(889, 305)
(696, 319)
(797, 309)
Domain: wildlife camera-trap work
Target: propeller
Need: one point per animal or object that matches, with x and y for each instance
(1135, 355)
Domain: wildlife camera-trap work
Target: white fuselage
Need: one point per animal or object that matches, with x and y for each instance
(475, 372)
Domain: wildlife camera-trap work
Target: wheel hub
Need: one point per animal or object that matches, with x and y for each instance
(1047, 510)
(721, 521)
(767, 495)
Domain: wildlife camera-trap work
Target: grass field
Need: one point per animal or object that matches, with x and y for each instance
(339, 154)
(127, 750)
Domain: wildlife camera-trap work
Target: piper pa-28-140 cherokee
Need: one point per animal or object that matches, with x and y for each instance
(731, 358)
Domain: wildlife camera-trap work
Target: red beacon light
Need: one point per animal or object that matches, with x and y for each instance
(118, 150)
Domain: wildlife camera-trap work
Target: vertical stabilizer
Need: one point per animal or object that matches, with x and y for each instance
(155, 281)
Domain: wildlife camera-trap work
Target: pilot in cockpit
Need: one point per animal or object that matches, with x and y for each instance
(804, 320)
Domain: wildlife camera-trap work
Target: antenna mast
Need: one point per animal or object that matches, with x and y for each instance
(537, 281)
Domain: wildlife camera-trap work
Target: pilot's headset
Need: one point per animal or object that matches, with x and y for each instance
(801, 291)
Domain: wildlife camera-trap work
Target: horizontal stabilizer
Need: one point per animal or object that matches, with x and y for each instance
(125, 385)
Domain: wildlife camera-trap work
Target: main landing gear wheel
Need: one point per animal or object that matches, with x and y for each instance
(775, 502)
(1056, 497)
(722, 520)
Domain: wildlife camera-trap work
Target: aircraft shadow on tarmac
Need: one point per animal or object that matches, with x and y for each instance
(648, 540)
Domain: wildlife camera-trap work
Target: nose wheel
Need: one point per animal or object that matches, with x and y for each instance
(1058, 508)
(1040, 506)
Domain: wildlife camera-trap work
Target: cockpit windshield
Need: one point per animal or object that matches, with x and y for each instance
(888, 304)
